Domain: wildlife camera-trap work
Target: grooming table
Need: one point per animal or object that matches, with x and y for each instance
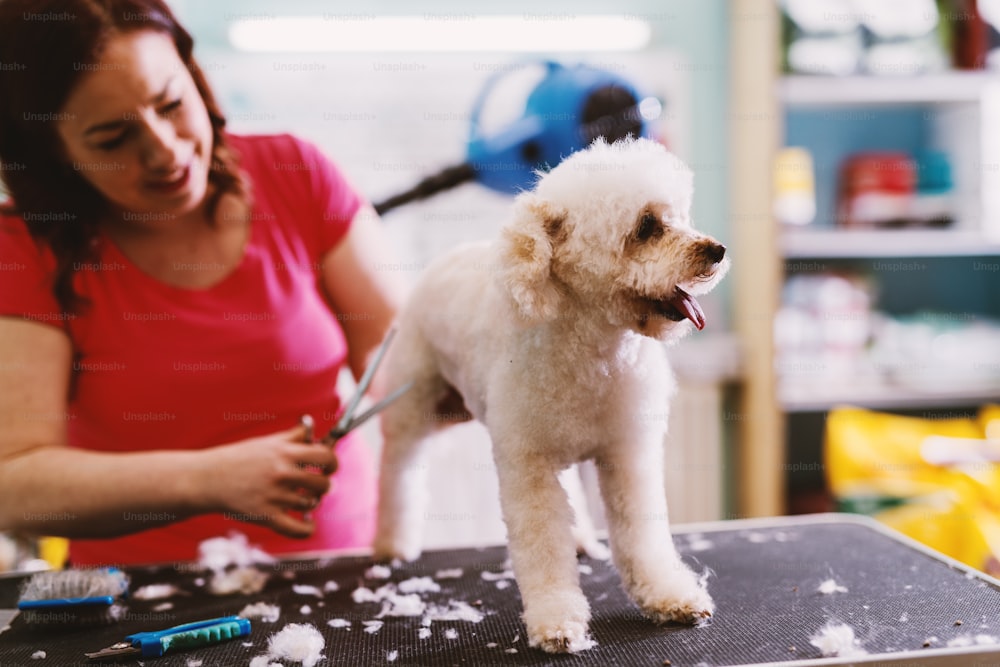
(905, 604)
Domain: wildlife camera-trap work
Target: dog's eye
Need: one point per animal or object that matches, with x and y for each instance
(650, 227)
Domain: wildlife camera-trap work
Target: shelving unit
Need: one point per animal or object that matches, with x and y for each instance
(877, 396)
(951, 111)
(842, 244)
(938, 88)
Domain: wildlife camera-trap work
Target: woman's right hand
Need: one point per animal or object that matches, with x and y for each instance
(264, 480)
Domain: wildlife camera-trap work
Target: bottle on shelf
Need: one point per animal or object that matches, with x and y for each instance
(794, 187)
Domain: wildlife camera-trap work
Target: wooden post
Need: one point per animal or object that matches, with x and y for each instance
(755, 128)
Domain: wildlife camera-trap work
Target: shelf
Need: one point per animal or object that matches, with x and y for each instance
(940, 88)
(828, 243)
(880, 396)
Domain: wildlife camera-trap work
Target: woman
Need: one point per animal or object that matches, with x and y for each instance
(173, 299)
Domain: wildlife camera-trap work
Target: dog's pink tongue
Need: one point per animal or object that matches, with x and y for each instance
(689, 308)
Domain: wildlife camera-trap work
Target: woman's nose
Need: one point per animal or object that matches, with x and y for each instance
(160, 145)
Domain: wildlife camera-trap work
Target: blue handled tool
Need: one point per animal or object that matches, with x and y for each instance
(190, 635)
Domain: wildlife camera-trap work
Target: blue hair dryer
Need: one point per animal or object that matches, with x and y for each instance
(567, 110)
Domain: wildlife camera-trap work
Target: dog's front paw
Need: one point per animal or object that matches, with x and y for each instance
(692, 606)
(558, 623)
(565, 637)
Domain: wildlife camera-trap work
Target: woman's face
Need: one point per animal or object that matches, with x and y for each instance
(136, 128)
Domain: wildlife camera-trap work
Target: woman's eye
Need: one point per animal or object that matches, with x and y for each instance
(113, 143)
(170, 108)
(649, 227)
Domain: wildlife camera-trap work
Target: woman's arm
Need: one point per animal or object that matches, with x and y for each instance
(48, 487)
(364, 289)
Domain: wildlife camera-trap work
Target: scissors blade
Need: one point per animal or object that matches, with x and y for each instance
(366, 380)
(114, 651)
(338, 432)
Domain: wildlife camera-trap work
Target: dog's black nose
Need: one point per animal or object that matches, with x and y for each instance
(715, 252)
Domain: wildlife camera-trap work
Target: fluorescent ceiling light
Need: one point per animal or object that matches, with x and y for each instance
(436, 33)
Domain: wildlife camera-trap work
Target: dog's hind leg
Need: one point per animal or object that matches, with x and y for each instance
(406, 426)
(652, 572)
(542, 550)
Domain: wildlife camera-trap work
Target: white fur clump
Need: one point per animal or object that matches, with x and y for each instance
(453, 573)
(697, 542)
(371, 627)
(364, 594)
(501, 579)
(306, 589)
(231, 559)
(339, 623)
(973, 640)
(378, 572)
(419, 585)
(456, 610)
(298, 642)
(829, 587)
(39, 655)
(268, 613)
(402, 605)
(245, 580)
(837, 639)
(155, 592)
(393, 603)
(218, 553)
(553, 336)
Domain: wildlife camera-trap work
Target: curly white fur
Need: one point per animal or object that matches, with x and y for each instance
(552, 337)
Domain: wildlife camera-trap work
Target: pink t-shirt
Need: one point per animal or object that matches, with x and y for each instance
(161, 367)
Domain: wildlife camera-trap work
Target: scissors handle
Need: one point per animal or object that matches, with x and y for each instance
(189, 635)
(154, 644)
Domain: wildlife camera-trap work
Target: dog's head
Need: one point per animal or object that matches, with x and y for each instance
(610, 228)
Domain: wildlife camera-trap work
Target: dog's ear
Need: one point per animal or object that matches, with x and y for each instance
(526, 245)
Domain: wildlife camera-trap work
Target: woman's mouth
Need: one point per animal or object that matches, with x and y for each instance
(172, 184)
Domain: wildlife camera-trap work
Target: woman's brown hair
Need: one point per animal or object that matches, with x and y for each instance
(45, 46)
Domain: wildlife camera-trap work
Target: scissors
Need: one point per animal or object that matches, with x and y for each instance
(189, 635)
(348, 420)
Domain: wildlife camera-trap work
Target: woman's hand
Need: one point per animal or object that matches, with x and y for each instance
(262, 480)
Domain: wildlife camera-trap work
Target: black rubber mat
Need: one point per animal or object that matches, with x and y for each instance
(764, 580)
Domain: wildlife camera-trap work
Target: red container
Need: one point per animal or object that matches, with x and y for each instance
(876, 190)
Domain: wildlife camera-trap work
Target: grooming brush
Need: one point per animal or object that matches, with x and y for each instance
(74, 597)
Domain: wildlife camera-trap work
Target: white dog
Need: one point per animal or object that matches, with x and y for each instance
(553, 338)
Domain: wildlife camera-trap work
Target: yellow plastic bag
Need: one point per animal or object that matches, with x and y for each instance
(935, 480)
